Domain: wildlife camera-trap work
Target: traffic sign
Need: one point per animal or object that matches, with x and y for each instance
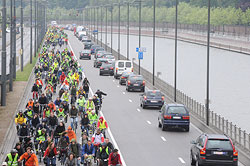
(137, 49)
(140, 55)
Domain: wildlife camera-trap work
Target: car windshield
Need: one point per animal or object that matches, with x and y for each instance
(154, 94)
(86, 51)
(140, 78)
(128, 64)
(121, 64)
(110, 57)
(94, 46)
(219, 144)
(125, 74)
(106, 65)
(176, 110)
(100, 49)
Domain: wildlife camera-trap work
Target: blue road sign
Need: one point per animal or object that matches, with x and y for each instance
(140, 55)
(137, 49)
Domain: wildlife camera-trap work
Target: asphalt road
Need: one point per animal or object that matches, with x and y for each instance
(136, 130)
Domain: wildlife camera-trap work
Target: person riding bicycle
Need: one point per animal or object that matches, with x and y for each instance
(52, 106)
(80, 92)
(35, 90)
(71, 134)
(61, 113)
(23, 132)
(85, 123)
(29, 115)
(29, 157)
(30, 103)
(93, 118)
(114, 158)
(102, 125)
(88, 150)
(52, 121)
(20, 119)
(73, 94)
(86, 89)
(75, 148)
(50, 154)
(65, 96)
(97, 103)
(46, 113)
(97, 139)
(102, 154)
(12, 158)
(73, 113)
(40, 137)
(81, 104)
(100, 94)
(63, 144)
(58, 102)
(43, 100)
(90, 104)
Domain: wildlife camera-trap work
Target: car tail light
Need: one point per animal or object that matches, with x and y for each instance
(167, 116)
(116, 70)
(186, 117)
(132, 69)
(143, 83)
(145, 97)
(92, 49)
(162, 98)
(101, 67)
(129, 82)
(111, 68)
(122, 77)
(235, 152)
(89, 54)
(203, 151)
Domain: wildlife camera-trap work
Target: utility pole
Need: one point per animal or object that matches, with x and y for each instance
(30, 31)
(175, 59)
(106, 37)
(22, 35)
(140, 34)
(111, 28)
(101, 24)
(3, 74)
(154, 47)
(119, 33)
(14, 42)
(35, 28)
(11, 48)
(128, 33)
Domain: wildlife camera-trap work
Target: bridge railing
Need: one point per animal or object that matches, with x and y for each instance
(217, 122)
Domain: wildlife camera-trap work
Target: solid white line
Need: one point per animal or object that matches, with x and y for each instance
(163, 139)
(130, 101)
(149, 122)
(182, 161)
(138, 110)
(123, 93)
(109, 131)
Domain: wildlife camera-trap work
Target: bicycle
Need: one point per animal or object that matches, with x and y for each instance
(74, 123)
(89, 160)
(92, 127)
(63, 156)
(40, 150)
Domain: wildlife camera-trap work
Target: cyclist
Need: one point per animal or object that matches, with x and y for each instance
(35, 90)
(40, 138)
(71, 133)
(89, 111)
(52, 122)
(71, 160)
(30, 104)
(97, 139)
(114, 158)
(73, 94)
(75, 148)
(63, 144)
(85, 123)
(29, 115)
(28, 143)
(20, 119)
(65, 96)
(35, 122)
(86, 89)
(80, 92)
(102, 155)
(50, 154)
(19, 149)
(61, 113)
(36, 108)
(52, 106)
(109, 144)
(97, 103)
(62, 77)
(90, 104)
(88, 150)
(30, 158)
(99, 94)
(46, 113)
(58, 101)
(81, 104)
(43, 100)
(12, 158)
(73, 113)
(102, 125)
(58, 131)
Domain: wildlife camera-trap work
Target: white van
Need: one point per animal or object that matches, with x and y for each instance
(122, 66)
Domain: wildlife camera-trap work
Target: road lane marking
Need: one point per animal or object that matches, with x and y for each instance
(138, 110)
(123, 93)
(182, 161)
(163, 139)
(113, 80)
(149, 122)
(118, 86)
(109, 131)
(130, 101)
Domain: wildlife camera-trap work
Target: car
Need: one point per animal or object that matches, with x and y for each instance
(93, 48)
(122, 66)
(100, 54)
(135, 82)
(107, 68)
(98, 62)
(213, 149)
(152, 98)
(98, 49)
(85, 54)
(87, 44)
(174, 116)
(124, 77)
(109, 57)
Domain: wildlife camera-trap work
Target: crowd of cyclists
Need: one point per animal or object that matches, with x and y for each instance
(60, 96)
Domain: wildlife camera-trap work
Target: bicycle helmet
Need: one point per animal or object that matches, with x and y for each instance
(13, 151)
(93, 111)
(104, 144)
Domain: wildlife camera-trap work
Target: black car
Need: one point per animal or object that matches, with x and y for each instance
(87, 44)
(93, 48)
(107, 68)
(98, 62)
(213, 149)
(124, 77)
(98, 49)
(174, 116)
(135, 82)
(85, 54)
(152, 98)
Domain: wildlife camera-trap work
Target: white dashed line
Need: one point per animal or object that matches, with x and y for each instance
(113, 80)
(163, 139)
(118, 86)
(123, 93)
(182, 161)
(138, 110)
(149, 122)
(130, 101)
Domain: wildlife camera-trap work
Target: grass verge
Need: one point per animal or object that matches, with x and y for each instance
(24, 76)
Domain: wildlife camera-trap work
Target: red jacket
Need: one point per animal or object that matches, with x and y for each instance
(48, 151)
(114, 160)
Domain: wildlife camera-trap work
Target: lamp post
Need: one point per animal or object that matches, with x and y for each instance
(101, 24)
(208, 55)
(22, 35)
(97, 23)
(11, 47)
(128, 31)
(35, 27)
(30, 31)
(14, 41)
(106, 35)
(154, 47)
(175, 59)
(119, 33)
(111, 29)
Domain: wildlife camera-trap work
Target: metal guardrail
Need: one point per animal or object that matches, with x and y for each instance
(217, 122)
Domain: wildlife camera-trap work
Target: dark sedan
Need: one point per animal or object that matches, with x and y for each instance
(152, 98)
(98, 62)
(93, 48)
(124, 77)
(106, 69)
(85, 54)
(173, 116)
(135, 82)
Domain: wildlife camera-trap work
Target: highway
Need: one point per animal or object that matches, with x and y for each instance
(136, 130)
(229, 81)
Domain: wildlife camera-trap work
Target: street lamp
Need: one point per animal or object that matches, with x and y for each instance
(175, 59)
(30, 31)
(22, 35)
(154, 46)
